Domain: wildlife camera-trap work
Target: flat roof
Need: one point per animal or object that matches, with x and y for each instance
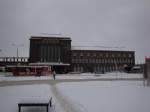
(50, 37)
(99, 48)
(96, 50)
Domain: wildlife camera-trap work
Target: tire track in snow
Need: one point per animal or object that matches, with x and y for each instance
(67, 105)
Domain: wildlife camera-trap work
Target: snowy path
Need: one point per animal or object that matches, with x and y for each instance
(67, 104)
(67, 107)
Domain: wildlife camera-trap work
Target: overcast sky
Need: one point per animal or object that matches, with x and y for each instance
(113, 23)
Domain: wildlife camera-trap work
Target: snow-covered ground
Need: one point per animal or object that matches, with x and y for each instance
(71, 76)
(107, 96)
(90, 96)
(10, 96)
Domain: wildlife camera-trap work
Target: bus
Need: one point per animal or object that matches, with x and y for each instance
(30, 70)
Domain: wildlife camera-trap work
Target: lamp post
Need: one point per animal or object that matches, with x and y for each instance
(17, 46)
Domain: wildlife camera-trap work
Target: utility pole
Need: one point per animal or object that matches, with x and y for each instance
(17, 46)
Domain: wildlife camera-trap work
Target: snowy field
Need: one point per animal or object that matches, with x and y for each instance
(95, 96)
(11, 95)
(92, 96)
(107, 96)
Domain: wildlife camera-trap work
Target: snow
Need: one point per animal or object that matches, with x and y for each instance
(99, 76)
(10, 96)
(112, 75)
(89, 96)
(24, 78)
(107, 96)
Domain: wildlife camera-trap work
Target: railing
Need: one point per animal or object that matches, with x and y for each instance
(13, 59)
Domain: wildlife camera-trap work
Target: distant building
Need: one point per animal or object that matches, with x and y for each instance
(101, 60)
(57, 52)
(52, 51)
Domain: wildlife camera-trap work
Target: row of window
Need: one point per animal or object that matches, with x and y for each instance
(49, 53)
(101, 55)
(97, 68)
(102, 61)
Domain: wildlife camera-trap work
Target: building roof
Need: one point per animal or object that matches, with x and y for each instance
(50, 37)
(98, 48)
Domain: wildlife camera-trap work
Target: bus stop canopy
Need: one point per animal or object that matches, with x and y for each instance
(49, 64)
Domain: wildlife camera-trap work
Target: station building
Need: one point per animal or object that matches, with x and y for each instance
(101, 60)
(58, 53)
(51, 51)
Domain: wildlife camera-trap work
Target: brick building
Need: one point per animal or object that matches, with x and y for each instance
(52, 51)
(57, 52)
(101, 60)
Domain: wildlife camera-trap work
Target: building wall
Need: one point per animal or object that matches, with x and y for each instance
(56, 49)
(50, 49)
(98, 61)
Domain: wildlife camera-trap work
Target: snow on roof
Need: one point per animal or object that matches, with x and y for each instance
(98, 48)
(46, 35)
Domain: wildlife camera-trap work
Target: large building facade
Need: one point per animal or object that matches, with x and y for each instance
(57, 52)
(50, 49)
(53, 51)
(101, 60)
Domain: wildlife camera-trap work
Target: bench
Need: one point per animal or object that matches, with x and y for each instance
(35, 103)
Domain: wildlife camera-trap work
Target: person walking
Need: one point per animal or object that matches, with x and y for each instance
(54, 74)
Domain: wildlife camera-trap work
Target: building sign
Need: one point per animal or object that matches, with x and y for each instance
(50, 41)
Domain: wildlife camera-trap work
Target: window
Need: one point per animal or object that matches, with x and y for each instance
(100, 54)
(119, 55)
(86, 60)
(94, 54)
(130, 55)
(81, 54)
(124, 55)
(106, 54)
(74, 54)
(88, 54)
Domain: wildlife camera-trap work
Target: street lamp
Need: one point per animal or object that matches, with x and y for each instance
(17, 46)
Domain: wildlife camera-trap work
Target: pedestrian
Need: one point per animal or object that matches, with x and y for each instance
(54, 74)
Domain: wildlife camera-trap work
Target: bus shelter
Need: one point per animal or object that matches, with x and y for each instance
(58, 67)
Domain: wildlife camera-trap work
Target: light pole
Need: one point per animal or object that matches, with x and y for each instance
(0, 50)
(17, 46)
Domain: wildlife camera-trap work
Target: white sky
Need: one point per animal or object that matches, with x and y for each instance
(116, 23)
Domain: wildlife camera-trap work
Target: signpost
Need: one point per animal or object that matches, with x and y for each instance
(147, 72)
